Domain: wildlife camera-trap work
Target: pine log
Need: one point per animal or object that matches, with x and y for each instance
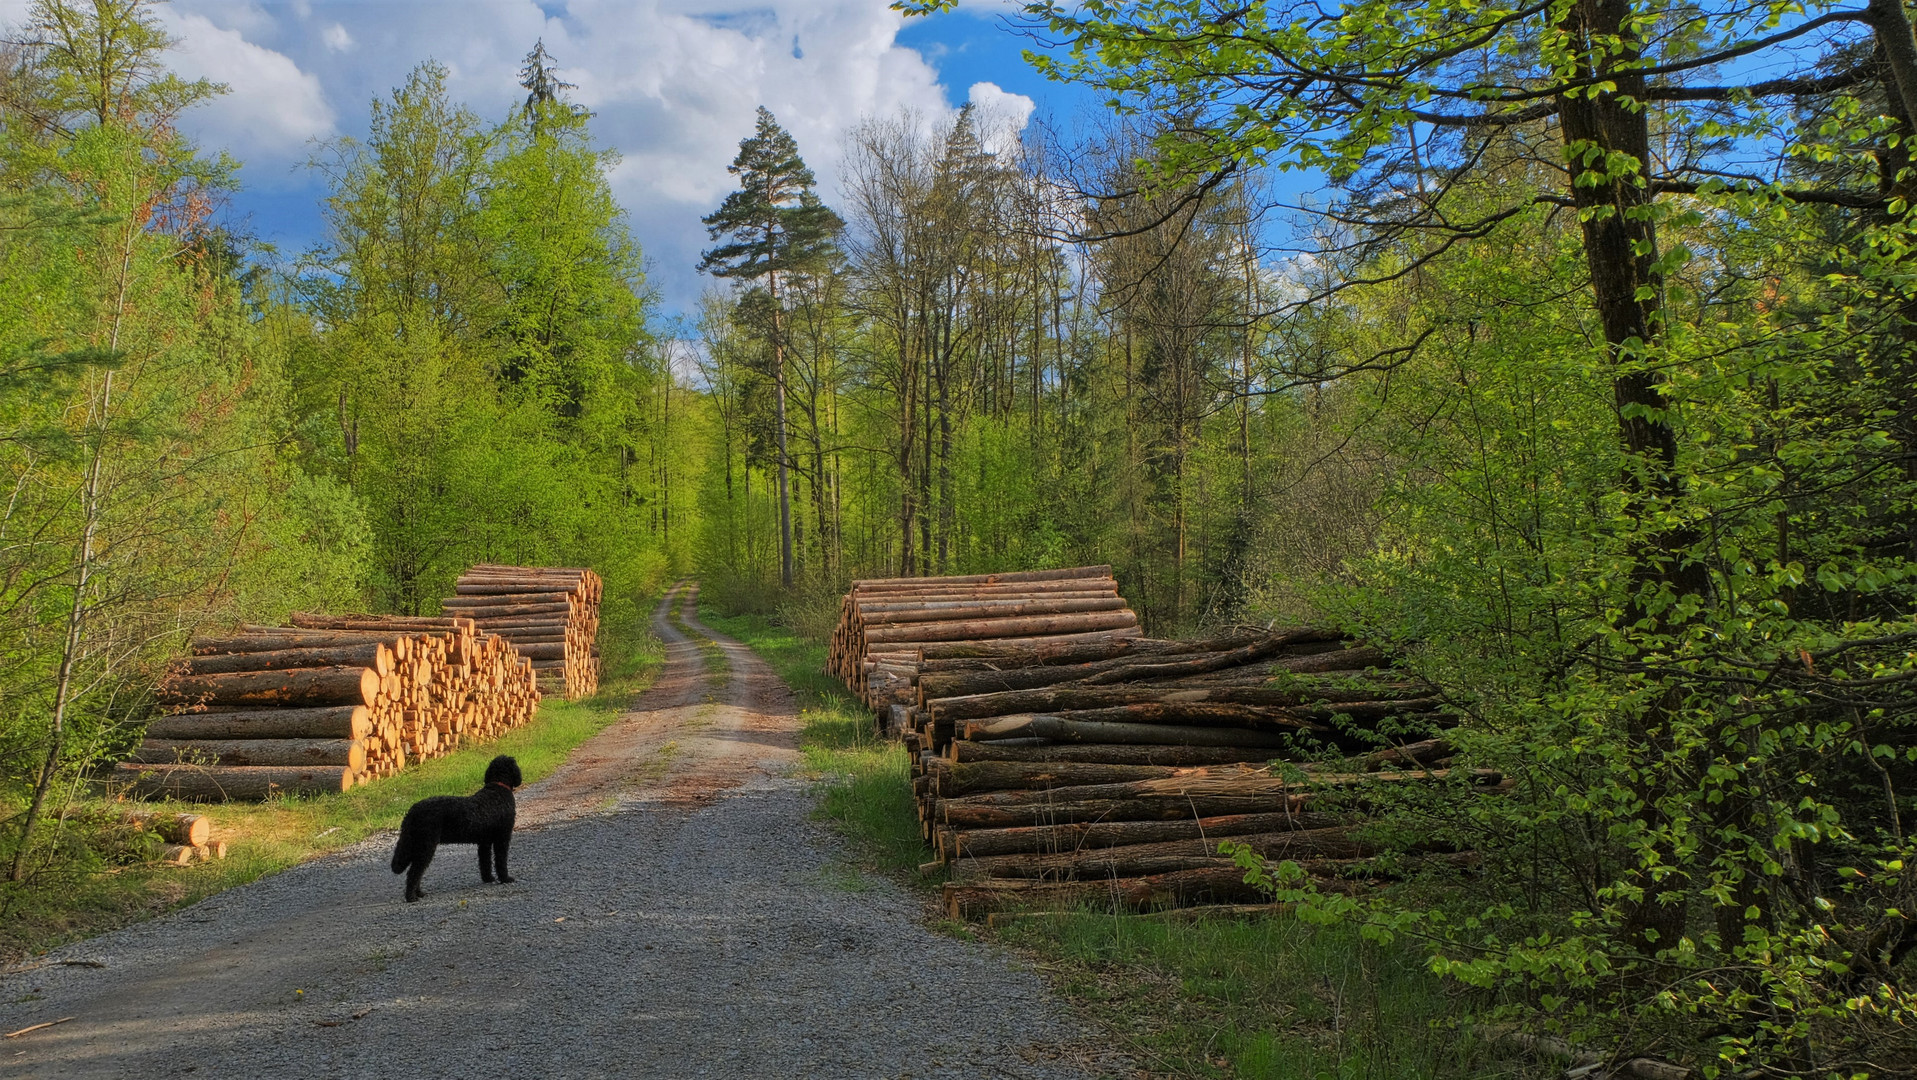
(1417, 753)
(954, 781)
(231, 783)
(967, 814)
(276, 639)
(371, 654)
(962, 751)
(1053, 648)
(541, 650)
(987, 610)
(1003, 656)
(963, 843)
(495, 587)
(970, 677)
(1007, 577)
(333, 722)
(348, 752)
(983, 629)
(1309, 700)
(191, 830)
(566, 597)
(400, 623)
(1139, 860)
(1217, 885)
(298, 686)
(1059, 729)
(878, 610)
(555, 610)
(1228, 658)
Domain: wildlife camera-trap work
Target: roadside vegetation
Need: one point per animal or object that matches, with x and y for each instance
(88, 893)
(1259, 998)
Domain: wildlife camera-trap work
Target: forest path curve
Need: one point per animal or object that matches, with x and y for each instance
(677, 914)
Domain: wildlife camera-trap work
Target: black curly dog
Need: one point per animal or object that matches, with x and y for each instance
(484, 818)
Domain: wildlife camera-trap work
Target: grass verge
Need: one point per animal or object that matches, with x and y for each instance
(1266, 998)
(263, 838)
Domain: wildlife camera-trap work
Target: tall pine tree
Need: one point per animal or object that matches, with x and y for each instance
(775, 225)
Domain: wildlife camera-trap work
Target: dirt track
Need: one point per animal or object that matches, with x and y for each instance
(676, 914)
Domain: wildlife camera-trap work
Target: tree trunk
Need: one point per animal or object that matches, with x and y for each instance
(1140, 860)
(1218, 885)
(221, 783)
(1061, 729)
(1056, 839)
(961, 751)
(298, 752)
(334, 722)
(1620, 246)
(300, 686)
(373, 655)
(785, 484)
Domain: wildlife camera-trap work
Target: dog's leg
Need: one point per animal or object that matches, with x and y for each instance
(485, 860)
(417, 871)
(499, 857)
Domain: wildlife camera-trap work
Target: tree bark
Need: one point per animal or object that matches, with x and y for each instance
(300, 686)
(373, 655)
(963, 752)
(286, 752)
(1140, 860)
(1056, 839)
(1063, 729)
(986, 629)
(334, 722)
(221, 783)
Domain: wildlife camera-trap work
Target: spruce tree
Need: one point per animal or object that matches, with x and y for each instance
(775, 225)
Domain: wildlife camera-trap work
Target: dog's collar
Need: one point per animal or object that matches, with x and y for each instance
(499, 783)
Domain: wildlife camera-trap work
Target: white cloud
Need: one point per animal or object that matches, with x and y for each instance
(272, 108)
(1002, 114)
(672, 84)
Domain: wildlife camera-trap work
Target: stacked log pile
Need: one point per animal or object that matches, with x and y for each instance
(551, 615)
(188, 837)
(1111, 772)
(325, 704)
(888, 626)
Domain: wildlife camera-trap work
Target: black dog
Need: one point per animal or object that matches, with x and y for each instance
(484, 818)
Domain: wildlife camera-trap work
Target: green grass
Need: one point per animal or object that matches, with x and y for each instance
(1266, 998)
(866, 789)
(67, 903)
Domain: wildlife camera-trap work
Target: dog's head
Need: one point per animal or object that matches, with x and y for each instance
(503, 770)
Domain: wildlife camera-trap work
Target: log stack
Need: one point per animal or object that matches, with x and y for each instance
(1112, 771)
(325, 704)
(887, 626)
(550, 614)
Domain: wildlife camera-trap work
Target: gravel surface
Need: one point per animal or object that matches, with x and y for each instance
(691, 921)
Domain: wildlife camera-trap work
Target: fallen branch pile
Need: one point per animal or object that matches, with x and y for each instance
(1111, 771)
(324, 704)
(888, 626)
(551, 615)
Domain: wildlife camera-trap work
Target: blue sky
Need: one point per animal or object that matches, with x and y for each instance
(673, 85)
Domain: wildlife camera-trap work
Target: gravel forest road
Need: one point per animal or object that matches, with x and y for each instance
(676, 914)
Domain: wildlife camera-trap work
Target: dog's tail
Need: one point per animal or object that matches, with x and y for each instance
(404, 850)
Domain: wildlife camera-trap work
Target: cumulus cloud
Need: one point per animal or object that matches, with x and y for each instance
(271, 107)
(672, 85)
